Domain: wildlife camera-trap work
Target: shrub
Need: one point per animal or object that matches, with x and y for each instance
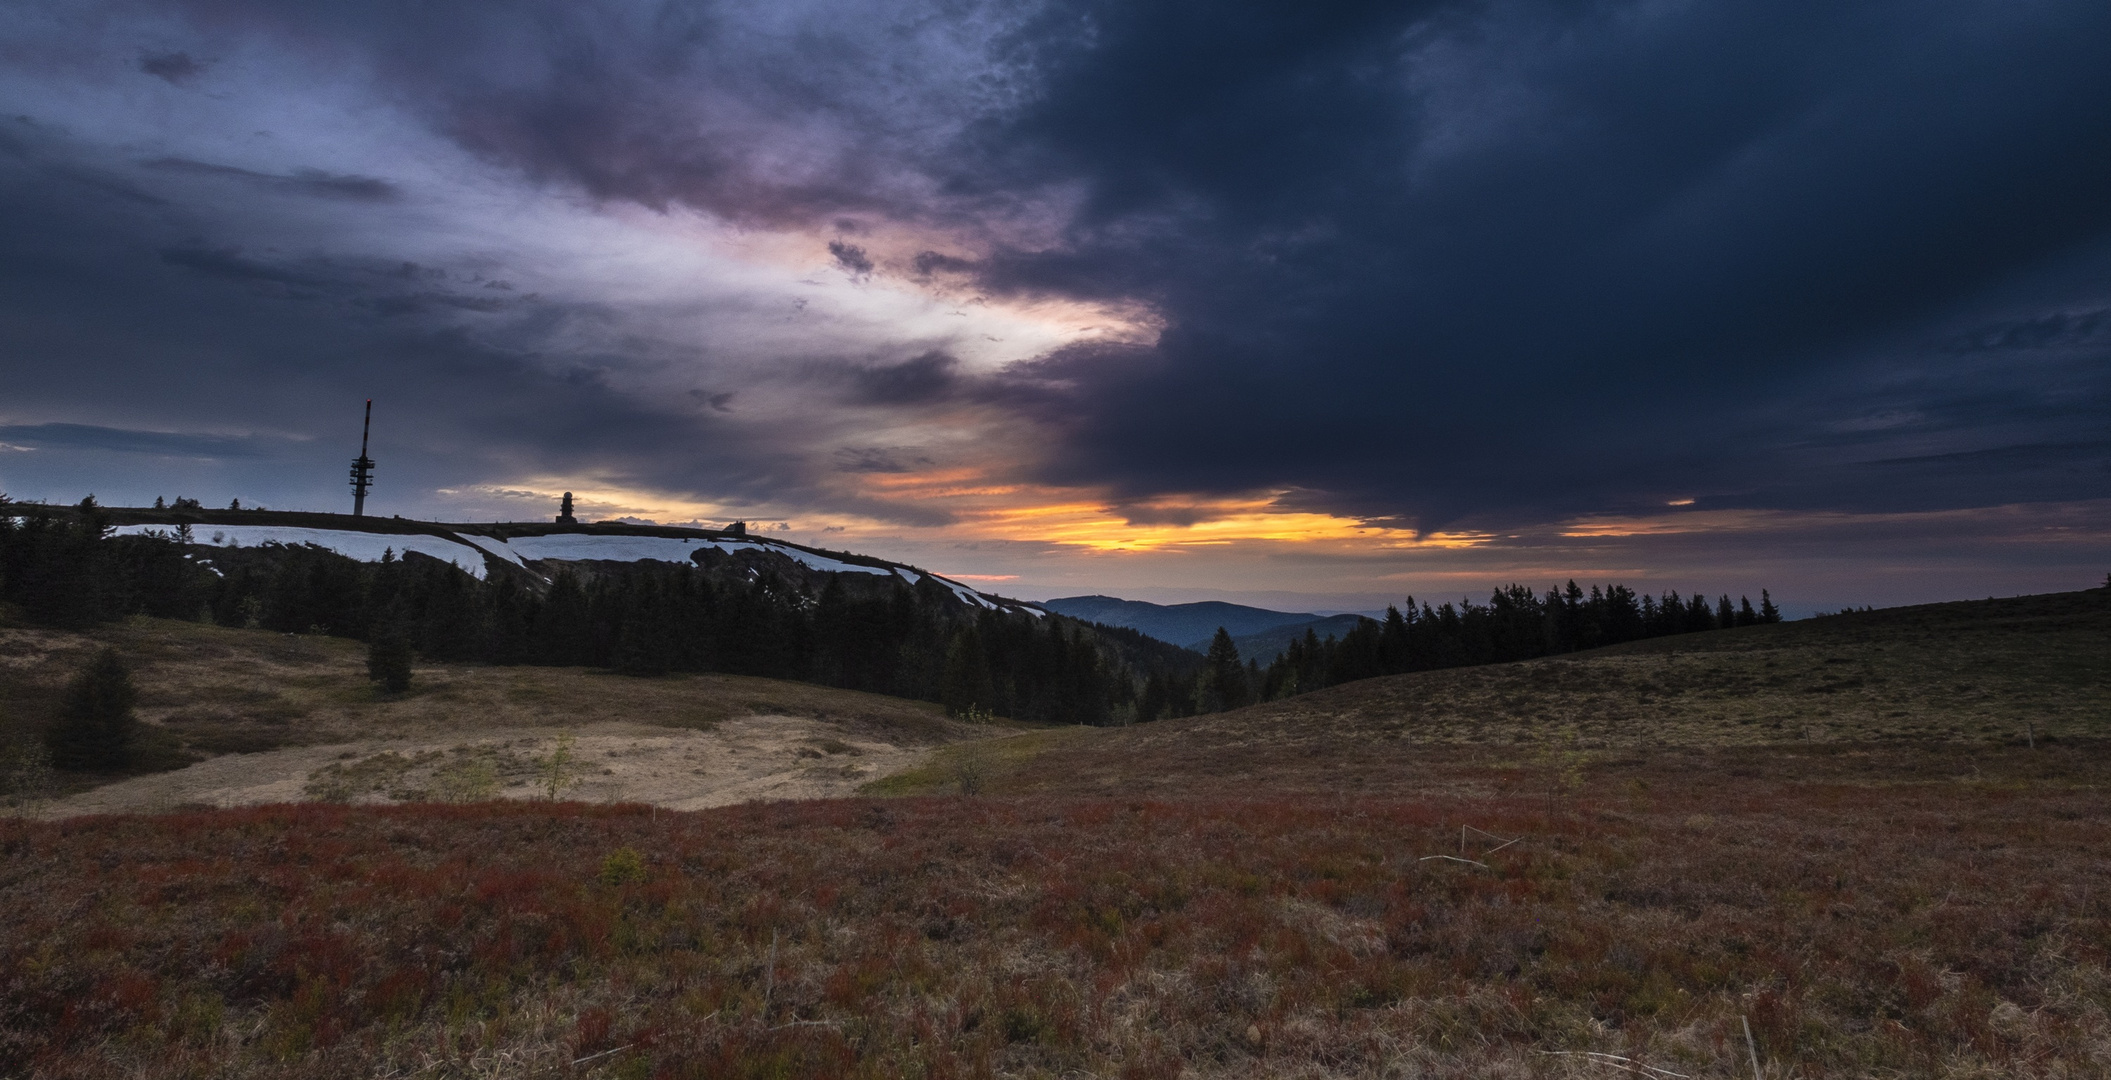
(556, 771)
(623, 866)
(25, 773)
(95, 727)
(466, 781)
(970, 768)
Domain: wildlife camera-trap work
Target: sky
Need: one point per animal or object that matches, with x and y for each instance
(1314, 306)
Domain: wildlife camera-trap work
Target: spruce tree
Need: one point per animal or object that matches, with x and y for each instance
(1223, 683)
(1768, 613)
(966, 682)
(388, 656)
(95, 725)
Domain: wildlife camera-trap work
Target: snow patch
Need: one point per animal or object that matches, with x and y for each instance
(818, 562)
(470, 551)
(493, 547)
(967, 595)
(673, 549)
(364, 546)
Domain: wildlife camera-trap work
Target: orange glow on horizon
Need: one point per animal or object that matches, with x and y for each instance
(984, 508)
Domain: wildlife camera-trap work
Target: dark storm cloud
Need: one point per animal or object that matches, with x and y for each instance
(176, 67)
(228, 264)
(157, 443)
(1566, 291)
(928, 263)
(315, 182)
(140, 338)
(880, 459)
(850, 257)
(1433, 260)
(915, 381)
(1417, 262)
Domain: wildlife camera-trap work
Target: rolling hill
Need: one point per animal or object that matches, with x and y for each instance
(643, 600)
(481, 548)
(1980, 673)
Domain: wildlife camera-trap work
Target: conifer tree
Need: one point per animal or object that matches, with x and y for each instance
(95, 725)
(1768, 613)
(388, 656)
(966, 683)
(1223, 683)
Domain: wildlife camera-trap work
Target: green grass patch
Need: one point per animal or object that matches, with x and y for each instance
(990, 765)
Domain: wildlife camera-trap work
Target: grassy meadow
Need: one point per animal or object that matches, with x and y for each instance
(207, 691)
(1878, 841)
(1937, 685)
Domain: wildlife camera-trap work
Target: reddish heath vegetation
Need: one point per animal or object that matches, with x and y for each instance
(1942, 928)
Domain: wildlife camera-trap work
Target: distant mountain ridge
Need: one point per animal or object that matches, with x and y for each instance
(1188, 625)
(1271, 643)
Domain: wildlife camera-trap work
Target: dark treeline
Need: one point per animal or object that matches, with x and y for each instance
(735, 615)
(1515, 624)
(767, 616)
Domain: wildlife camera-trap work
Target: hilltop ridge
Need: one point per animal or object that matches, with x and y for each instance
(481, 548)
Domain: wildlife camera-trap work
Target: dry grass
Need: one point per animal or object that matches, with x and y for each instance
(208, 690)
(1978, 674)
(986, 760)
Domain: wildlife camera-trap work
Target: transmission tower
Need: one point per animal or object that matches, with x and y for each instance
(363, 466)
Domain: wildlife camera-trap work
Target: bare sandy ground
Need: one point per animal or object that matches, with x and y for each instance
(738, 760)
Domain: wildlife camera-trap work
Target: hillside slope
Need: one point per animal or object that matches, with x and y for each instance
(480, 548)
(643, 600)
(243, 716)
(1983, 672)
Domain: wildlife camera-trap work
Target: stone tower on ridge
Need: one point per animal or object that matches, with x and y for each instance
(564, 511)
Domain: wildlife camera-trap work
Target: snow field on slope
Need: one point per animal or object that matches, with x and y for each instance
(672, 549)
(676, 549)
(469, 552)
(364, 546)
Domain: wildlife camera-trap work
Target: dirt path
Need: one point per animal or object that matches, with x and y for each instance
(739, 760)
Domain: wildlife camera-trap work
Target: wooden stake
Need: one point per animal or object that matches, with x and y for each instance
(1751, 1047)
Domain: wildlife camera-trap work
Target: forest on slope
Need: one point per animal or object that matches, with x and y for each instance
(745, 613)
(757, 612)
